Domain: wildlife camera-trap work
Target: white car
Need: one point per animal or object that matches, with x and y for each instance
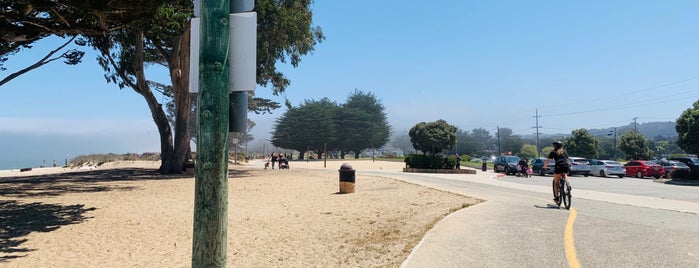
(604, 168)
(579, 165)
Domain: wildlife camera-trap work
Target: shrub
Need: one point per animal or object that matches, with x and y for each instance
(437, 162)
(100, 159)
(465, 157)
(430, 161)
(417, 161)
(450, 162)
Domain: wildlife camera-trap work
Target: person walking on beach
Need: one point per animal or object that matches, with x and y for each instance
(273, 158)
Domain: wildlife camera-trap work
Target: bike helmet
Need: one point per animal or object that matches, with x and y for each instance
(557, 144)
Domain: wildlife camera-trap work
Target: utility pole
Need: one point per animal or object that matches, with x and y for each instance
(209, 245)
(538, 151)
(223, 33)
(498, 133)
(635, 126)
(614, 142)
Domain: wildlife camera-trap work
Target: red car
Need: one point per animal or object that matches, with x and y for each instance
(642, 168)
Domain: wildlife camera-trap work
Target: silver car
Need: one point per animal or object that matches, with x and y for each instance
(605, 168)
(579, 165)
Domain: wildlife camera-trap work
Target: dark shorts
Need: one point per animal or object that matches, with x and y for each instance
(561, 169)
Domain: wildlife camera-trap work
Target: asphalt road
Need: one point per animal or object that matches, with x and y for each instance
(613, 223)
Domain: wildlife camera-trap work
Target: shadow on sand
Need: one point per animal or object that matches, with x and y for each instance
(19, 219)
(77, 182)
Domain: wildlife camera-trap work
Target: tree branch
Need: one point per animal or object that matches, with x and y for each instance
(41, 62)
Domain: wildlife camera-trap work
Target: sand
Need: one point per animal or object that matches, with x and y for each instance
(127, 215)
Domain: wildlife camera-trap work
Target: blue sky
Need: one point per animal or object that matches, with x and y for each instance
(582, 64)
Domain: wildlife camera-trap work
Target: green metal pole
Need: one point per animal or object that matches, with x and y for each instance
(211, 185)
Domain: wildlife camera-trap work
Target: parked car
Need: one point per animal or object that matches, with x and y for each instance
(579, 165)
(674, 169)
(538, 164)
(691, 162)
(643, 168)
(604, 168)
(507, 164)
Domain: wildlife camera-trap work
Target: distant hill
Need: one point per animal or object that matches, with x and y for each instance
(649, 130)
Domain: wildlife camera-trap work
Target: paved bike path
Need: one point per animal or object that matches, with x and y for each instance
(464, 237)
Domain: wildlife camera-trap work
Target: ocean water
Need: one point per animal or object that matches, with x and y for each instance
(17, 163)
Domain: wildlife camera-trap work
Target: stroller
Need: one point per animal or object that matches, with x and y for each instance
(283, 163)
(523, 169)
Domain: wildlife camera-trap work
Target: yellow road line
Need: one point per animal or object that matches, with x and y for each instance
(569, 241)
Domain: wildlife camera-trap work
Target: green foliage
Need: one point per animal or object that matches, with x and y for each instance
(509, 142)
(357, 125)
(635, 146)
(528, 151)
(465, 157)
(474, 142)
(285, 33)
(546, 151)
(361, 123)
(450, 162)
(433, 137)
(430, 161)
(676, 155)
(688, 129)
(582, 144)
(310, 125)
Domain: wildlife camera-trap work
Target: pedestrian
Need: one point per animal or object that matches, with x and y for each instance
(458, 161)
(54, 163)
(273, 158)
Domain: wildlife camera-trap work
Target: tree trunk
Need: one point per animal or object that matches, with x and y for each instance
(179, 76)
(156, 109)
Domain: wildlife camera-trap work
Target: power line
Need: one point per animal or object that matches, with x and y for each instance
(631, 92)
(629, 105)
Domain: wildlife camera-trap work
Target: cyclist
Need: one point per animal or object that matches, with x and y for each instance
(561, 166)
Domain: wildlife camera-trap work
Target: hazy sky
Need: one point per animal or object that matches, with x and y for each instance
(582, 64)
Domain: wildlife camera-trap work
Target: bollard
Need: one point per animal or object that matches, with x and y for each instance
(346, 179)
(189, 167)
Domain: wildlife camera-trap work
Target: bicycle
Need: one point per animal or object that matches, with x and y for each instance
(564, 193)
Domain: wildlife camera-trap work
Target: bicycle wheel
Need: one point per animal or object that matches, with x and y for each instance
(565, 194)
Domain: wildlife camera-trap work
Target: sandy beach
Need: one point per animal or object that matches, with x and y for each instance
(127, 215)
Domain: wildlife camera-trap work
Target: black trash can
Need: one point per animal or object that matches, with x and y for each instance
(346, 179)
(189, 167)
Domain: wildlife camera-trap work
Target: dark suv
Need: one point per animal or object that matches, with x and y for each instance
(507, 164)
